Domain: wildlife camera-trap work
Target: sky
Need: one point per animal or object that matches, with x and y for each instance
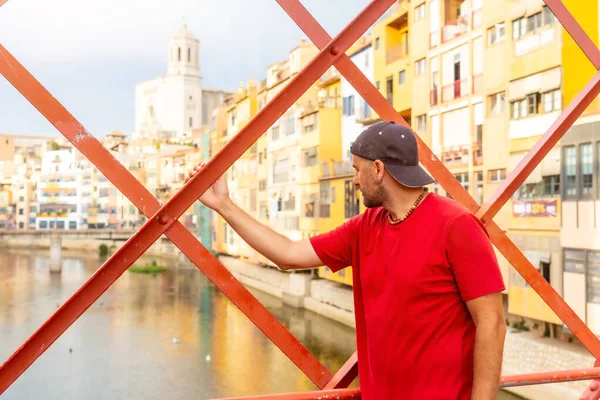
(91, 54)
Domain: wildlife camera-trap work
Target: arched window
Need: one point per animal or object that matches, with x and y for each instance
(189, 54)
(179, 54)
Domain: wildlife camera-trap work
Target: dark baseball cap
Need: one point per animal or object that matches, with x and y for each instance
(396, 146)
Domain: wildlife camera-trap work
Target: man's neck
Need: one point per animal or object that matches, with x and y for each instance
(402, 201)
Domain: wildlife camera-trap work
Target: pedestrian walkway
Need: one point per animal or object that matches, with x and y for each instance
(524, 352)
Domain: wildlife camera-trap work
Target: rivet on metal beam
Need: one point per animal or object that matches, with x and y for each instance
(163, 219)
(334, 50)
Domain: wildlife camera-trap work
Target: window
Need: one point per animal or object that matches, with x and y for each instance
(190, 122)
(179, 54)
(262, 185)
(545, 270)
(519, 28)
(60, 224)
(275, 132)
(21, 211)
(586, 169)
(309, 157)
(463, 179)
(402, 77)
(593, 277)
(534, 22)
(21, 225)
(348, 105)
(390, 89)
(496, 34)
(574, 261)
(422, 123)
(377, 85)
(530, 105)
(351, 201)
(43, 224)
(496, 175)
(570, 171)
(552, 100)
(189, 54)
(290, 125)
(479, 188)
(420, 67)
(324, 200)
(496, 103)
(420, 12)
(376, 43)
(72, 225)
(547, 17)
(225, 233)
(551, 186)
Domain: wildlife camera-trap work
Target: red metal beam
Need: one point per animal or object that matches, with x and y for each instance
(2, 2)
(539, 378)
(168, 213)
(518, 175)
(341, 394)
(344, 377)
(375, 99)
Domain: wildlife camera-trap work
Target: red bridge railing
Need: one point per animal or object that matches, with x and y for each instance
(163, 219)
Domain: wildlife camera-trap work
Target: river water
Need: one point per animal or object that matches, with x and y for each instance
(168, 336)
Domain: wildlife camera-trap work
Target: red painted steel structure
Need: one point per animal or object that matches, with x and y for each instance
(163, 219)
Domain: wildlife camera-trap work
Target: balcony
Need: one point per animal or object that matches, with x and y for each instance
(456, 90)
(340, 168)
(396, 53)
(330, 76)
(455, 155)
(477, 153)
(455, 28)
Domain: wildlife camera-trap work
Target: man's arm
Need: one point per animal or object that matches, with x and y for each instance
(490, 325)
(284, 252)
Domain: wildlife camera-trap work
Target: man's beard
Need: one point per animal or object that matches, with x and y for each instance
(375, 199)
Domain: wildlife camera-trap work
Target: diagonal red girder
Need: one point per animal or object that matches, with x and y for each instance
(2, 2)
(386, 111)
(167, 214)
(48, 106)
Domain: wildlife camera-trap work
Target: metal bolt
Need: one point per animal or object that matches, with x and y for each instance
(334, 50)
(163, 219)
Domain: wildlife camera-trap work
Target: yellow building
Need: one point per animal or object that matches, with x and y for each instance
(320, 142)
(241, 177)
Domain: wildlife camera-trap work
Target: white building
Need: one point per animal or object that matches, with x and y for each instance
(59, 192)
(355, 110)
(171, 106)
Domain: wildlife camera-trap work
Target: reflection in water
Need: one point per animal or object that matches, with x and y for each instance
(173, 335)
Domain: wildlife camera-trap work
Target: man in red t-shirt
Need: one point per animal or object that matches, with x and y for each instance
(427, 286)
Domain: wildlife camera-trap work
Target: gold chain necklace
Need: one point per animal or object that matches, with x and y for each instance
(412, 209)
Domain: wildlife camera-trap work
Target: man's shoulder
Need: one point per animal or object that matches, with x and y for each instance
(448, 208)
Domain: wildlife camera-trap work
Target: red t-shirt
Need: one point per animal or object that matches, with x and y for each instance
(415, 335)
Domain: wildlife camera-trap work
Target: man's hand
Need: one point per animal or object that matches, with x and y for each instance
(216, 195)
(490, 333)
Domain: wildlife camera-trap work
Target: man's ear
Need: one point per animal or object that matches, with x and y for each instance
(378, 171)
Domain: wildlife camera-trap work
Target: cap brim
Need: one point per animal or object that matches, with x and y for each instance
(412, 176)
